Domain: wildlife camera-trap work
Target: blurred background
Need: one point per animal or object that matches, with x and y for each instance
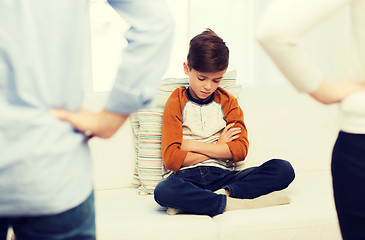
(234, 21)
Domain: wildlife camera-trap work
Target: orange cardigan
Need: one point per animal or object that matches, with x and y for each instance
(172, 128)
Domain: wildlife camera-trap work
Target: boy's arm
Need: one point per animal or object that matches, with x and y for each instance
(219, 150)
(212, 150)
(174, 157)
(192, 158)
(238, 146)
(177, 153)
(233, 142)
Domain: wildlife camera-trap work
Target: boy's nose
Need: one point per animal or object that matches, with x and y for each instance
(208, 85)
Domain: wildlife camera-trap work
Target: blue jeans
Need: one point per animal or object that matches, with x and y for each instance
(77, 223)
(192, 190)
(348, 176)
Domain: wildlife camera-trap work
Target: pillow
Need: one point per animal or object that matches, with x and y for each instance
(147, 127)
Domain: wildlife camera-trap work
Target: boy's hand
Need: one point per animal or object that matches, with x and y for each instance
(229, 134)
(201, 151)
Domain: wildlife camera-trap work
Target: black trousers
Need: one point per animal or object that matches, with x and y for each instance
(348, 173)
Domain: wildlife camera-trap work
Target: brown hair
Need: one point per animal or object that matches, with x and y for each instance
(208, 52)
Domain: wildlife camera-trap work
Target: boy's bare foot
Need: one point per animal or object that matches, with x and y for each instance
(173, 211)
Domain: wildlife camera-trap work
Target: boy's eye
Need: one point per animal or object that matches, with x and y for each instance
(201, 79)
(216, 81)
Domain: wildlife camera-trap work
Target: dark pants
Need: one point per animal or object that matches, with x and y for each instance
(77, 223)
(348, 174)
(191, 190)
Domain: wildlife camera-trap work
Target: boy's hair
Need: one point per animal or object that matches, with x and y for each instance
(208, 52)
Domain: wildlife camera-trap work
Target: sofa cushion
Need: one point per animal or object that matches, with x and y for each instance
(281, 123)
(122, 214)
(113, 158)
(147, 126)
(310, 215)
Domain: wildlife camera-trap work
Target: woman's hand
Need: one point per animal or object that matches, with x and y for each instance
(334, 92)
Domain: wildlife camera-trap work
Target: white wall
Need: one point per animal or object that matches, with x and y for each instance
(281, 123)
(114, 158)
(235, 22)
(285, 124)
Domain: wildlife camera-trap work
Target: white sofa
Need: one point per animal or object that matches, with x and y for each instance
(281, 124)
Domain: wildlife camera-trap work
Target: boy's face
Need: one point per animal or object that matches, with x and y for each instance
(202, 85)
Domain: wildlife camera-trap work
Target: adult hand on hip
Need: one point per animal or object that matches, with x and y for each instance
(334, 92)
(101, 124)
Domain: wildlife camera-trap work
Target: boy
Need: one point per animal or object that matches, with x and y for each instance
(204, 135)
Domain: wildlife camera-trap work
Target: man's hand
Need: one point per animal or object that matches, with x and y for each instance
(329, 92)
(229, 134)
(102, 124)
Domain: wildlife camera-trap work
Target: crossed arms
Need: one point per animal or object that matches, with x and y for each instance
(200, 151)
(232, 143)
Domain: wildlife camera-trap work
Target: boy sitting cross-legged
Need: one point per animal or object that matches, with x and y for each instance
(204, 135)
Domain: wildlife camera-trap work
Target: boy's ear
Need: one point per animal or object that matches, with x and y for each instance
(186, 68)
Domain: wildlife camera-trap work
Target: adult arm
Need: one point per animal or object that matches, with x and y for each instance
(279, 32)
(102, 124)
(144, 61)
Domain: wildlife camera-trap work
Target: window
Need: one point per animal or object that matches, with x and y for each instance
(107, 41)
(233, 20)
